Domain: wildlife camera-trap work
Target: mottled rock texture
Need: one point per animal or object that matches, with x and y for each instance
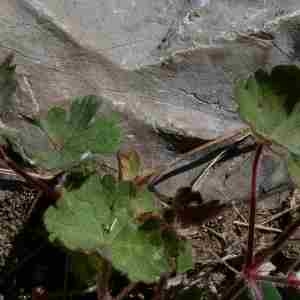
(169, 63)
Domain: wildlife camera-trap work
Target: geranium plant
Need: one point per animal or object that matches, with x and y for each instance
(270, 104)
(110, 219)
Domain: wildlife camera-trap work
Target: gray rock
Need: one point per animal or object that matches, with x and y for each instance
(169, 63)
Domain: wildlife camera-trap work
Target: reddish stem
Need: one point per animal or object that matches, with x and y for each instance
(126, 291)
(49, 191)
(103, 292)
(263, 256)
(250, 247)
(290, 280)
(39, 293)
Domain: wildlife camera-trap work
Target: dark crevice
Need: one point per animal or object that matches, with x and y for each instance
(179, 143)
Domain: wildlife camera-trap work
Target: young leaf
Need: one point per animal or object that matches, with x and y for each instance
(85, 268)
(100, 217)
(184, 259)
(73, 136)
(270, 104)
(270, 292)
(129, 164)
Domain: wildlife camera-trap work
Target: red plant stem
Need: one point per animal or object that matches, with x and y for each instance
(126, 291)
(275, 279)
(35, 182)
(39, 293)
(103, 292)
(263, 256)
(250, 247)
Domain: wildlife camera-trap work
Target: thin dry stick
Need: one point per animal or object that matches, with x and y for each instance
(183, 160)
(217, 234)
(239, 213)
(273, 218)
(260, 227)
(265, 255)
(224, 262)
(280, 214)
(281, 240)
(197, 184)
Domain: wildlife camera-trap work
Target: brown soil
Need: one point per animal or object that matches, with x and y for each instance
(224, 238)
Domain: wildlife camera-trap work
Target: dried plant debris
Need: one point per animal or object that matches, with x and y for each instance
(222, 239)
(16, 201)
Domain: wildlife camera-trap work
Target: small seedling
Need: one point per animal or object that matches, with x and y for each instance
(113, 221)
(270, 104)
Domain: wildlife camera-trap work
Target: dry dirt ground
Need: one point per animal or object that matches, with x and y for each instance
(218, 245)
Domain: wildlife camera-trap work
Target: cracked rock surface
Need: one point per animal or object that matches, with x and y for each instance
(167, 65)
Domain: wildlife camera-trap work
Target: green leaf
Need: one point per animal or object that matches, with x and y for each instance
(85, 268)
(80, 218)
(72, 136)
(293, 163)
(270, 104)
(270, 292)
(180, 249)
(184, 258)
(192, 293)
(140, 254)
(100, 217)
(82, 111)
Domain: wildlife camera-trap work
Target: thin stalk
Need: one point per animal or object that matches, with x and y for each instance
(67, 264)
(265, 255)
(280, 242)
(126, 291)
(275, 279)
(159, 288)
(103, 292)
(39, 293)
(253, 201)
(33, 181)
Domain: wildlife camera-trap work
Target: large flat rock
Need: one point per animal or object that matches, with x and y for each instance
(169, 63)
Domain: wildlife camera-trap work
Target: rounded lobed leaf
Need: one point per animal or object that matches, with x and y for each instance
(71, 136)
(269, 103)
(101, 217)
